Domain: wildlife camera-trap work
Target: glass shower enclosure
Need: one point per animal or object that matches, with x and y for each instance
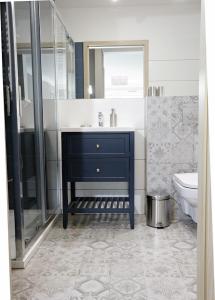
(38, 68)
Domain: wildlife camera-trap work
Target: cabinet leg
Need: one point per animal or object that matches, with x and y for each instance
(131, 216)
(65, 204)
(65, 220)
(72, 192)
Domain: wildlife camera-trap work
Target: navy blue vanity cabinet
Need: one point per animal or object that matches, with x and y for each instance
(97, 157)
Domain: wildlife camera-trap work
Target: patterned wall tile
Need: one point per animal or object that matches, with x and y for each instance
(158, 178)
(196, 147)
(172, 140)
(182, 131)
(183, 154)
(159, 152)
(183, 168)
(158, 119)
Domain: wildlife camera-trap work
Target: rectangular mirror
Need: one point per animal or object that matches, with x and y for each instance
(115, 69)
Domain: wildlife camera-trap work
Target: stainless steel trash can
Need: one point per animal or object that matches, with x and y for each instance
(158, 211)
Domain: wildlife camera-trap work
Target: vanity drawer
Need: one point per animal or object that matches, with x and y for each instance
(75, 144)
(89, 169)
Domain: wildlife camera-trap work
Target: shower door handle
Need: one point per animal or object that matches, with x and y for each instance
(20, 100)
(7, 90)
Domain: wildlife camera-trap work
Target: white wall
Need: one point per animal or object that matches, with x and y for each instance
(130, 113)
(173, 32)
(174, 39)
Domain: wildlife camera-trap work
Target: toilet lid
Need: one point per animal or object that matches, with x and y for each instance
(189, 180)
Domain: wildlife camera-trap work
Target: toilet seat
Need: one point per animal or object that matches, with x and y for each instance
(186, 185)
(190, 195)
(187, 180)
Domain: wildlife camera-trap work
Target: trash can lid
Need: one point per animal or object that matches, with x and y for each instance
(158, 197)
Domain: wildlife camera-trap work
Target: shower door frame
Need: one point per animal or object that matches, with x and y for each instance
(15, 124)
(21, 248)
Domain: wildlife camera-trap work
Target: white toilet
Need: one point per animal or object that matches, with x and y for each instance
(186, 185)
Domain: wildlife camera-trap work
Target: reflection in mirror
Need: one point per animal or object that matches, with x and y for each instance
(24, 55)
(65, 62)
(116, 71)
(47, 54)
(24, 61)
(70, 69)
(57, 57)
(47, 40)
(61, 67)
(30, 195)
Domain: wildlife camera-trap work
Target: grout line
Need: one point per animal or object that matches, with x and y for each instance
(174, 80)
(60, 160)
(98, 189)
(177, 59)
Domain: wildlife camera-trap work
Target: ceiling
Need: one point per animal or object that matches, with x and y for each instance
(110, 3)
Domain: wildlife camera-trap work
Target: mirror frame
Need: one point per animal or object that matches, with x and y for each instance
(88, 45)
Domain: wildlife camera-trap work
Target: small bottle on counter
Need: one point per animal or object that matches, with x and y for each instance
(100, 119)
(149, 94)
(113, 118)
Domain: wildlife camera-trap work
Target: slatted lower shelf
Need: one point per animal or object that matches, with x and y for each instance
(100, 205)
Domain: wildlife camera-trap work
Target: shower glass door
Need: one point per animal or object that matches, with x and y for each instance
(28, 127)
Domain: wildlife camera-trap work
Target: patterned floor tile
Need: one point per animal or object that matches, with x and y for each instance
(162, 269)
(166, 288)
(127, 287)
(188, 270)
(100, 258)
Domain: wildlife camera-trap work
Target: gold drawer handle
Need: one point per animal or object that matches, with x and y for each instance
(98, 170)
(97, 146)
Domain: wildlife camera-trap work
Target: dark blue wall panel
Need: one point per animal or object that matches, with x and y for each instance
(79, 70)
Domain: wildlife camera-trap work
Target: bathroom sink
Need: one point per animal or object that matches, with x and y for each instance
(25, 129)
(96, 129)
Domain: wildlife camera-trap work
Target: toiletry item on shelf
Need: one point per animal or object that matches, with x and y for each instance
(149, 91)
(160, 91)
(113, 118)
(100, 119)
(157, 91)
(154, 91)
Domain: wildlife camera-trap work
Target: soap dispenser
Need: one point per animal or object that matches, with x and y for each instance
(113, 118)
(100, 119)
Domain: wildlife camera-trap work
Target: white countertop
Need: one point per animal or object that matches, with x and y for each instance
(96, 129)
